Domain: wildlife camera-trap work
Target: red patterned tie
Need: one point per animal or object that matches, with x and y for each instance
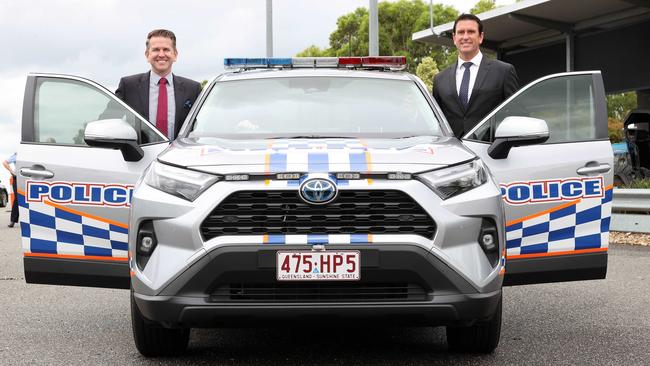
(161, 114)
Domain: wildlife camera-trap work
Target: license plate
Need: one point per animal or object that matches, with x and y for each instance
(318, 266)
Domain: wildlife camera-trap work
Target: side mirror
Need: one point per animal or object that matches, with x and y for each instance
(114, 134)
(517, 131)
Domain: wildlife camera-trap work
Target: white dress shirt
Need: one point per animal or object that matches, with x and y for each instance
(154, 80)
(473, 71)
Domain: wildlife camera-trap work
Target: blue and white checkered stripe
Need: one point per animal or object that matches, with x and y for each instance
(50, 230)
(318, 157)
(282, 145)
(584, 225)
(336, 144)
(361, 183)
(315, 239)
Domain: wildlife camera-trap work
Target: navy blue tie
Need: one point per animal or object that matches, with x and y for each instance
(463, 93)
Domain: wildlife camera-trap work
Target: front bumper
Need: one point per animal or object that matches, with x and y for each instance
(423, 291)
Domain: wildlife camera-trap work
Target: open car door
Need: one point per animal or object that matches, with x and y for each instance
(74, 199)
(557, 194)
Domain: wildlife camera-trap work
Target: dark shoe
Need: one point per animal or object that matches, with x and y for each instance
(11, 224)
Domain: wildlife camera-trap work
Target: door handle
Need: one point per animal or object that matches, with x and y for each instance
(36, 173)
(587, 170)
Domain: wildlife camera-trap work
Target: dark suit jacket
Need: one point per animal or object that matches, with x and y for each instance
(495, 82)
(134, 91)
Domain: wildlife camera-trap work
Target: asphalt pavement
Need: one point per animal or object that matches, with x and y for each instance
(605, 322)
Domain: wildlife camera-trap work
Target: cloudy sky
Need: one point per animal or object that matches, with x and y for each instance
(104, 40)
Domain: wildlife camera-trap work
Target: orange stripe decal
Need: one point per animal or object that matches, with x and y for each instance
(554, 254)
(556, 208)
(80, 257)
(553, 209)
(67, 209)
(63, 208)
(368, 161)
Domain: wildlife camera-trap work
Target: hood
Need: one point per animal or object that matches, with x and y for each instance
(408, 155)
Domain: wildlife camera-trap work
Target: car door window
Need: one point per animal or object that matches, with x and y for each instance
(566, 104)
(62, 109)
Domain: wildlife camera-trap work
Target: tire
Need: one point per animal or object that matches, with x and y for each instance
(3, 199)
(152, 340)
(482, 337)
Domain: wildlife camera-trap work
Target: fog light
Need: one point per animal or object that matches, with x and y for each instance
(488, 242)
(145, 243)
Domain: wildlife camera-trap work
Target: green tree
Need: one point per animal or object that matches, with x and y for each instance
(313, 51)
(618, 105)
(426, 70)
(483, 6)
(204, 83)
(397, 22)
(346, 35)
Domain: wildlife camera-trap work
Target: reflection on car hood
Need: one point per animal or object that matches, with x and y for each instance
(410, 155)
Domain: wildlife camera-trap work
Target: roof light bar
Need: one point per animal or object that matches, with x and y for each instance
(315, 61)
(372, 62)
(384, 61)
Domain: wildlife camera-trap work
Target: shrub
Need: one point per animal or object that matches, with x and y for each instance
(640, 184)
(615, 129)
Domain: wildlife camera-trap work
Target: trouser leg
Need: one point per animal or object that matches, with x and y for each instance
(14, 207)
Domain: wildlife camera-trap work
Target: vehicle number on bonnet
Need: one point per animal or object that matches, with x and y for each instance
(318, 266)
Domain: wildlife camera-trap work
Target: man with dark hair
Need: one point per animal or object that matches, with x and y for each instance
(158, 95)
(470, 88)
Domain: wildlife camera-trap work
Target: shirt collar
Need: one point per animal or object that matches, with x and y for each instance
(476, 60)
(155, 78)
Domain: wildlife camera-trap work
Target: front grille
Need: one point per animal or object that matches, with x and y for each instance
(284, 212)
(319, 292)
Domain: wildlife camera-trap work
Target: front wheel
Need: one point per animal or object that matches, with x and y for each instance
(482, 337)
(152, 340)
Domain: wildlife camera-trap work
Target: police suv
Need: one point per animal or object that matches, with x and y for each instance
(315, 189)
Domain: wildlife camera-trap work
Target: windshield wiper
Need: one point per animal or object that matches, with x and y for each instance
(311, 137)
(411, 136)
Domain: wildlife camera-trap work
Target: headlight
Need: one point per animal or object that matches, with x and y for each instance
(457, 179)
(184, 183)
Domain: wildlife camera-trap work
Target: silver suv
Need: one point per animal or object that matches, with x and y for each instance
(315, 189)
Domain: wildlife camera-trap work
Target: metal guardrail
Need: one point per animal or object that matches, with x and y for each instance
(631, 210)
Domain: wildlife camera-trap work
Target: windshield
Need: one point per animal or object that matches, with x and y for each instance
(316, 107)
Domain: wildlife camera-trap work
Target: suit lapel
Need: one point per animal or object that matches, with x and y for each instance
(179, 95)
(483, 70)
(143, 93)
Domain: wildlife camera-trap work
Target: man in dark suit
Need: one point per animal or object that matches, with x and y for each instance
(158, 95)
(470, 88)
